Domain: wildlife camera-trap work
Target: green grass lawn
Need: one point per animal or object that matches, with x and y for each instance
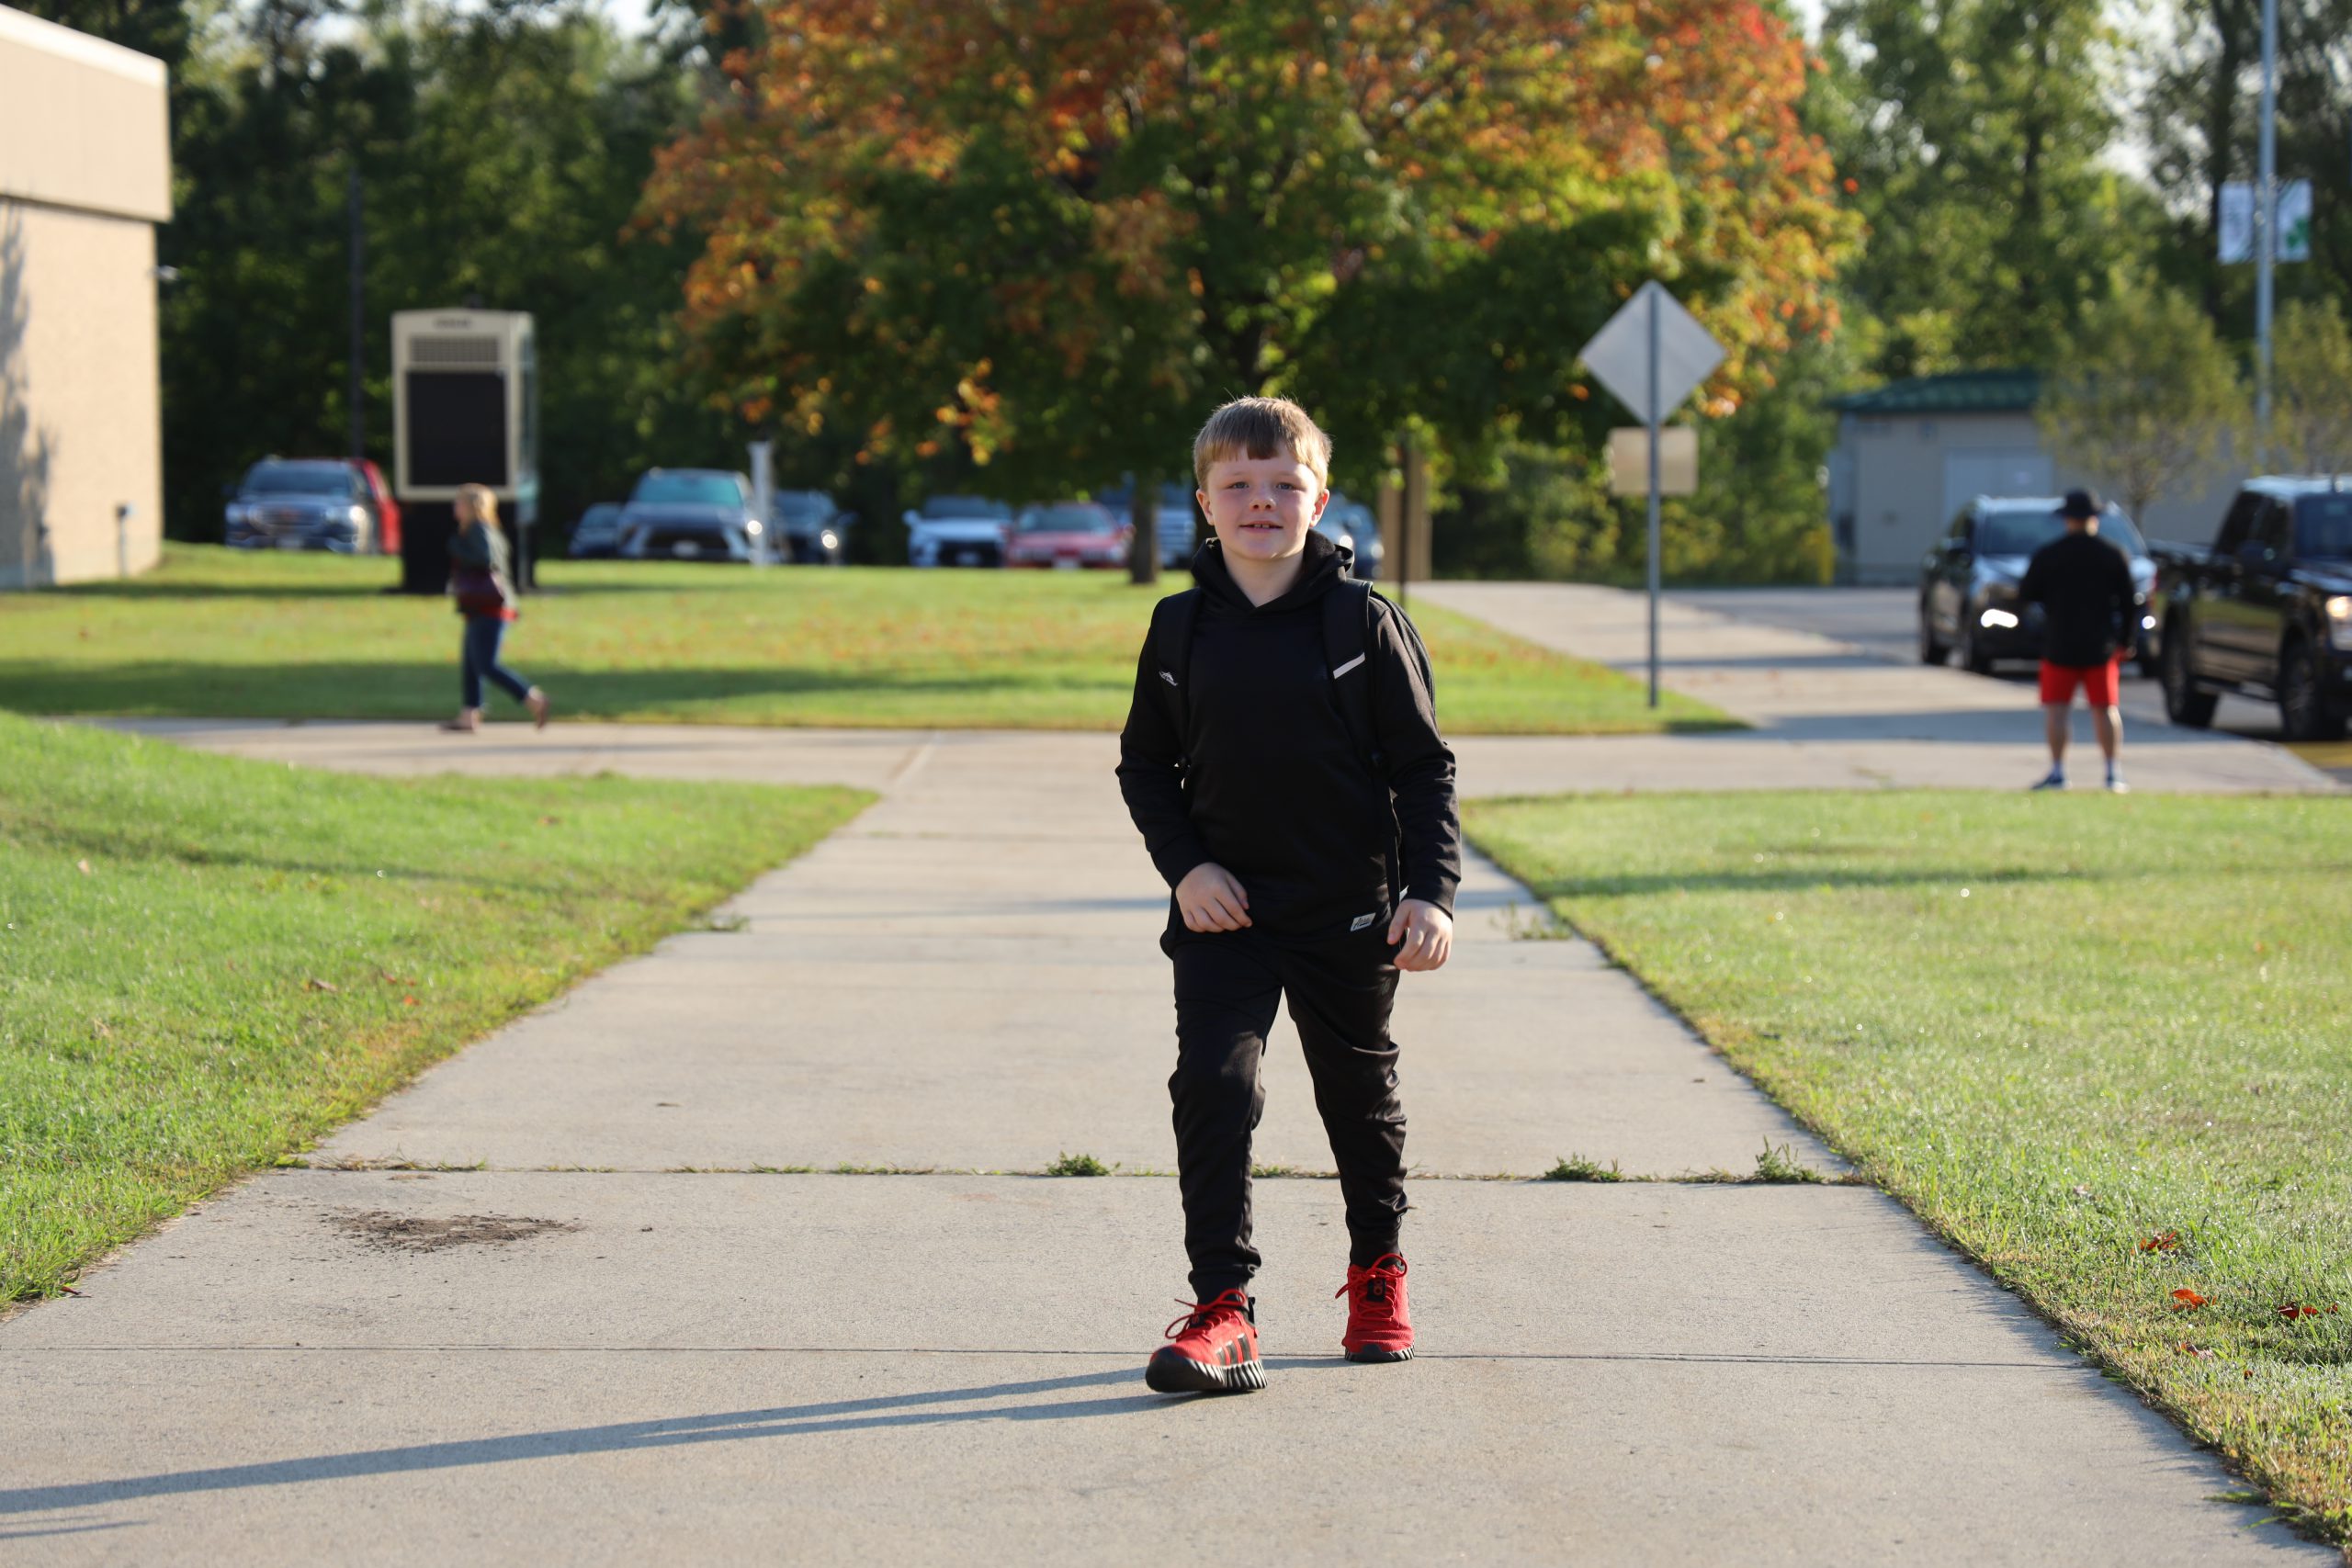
(2103, 1045)
(213, 632)
(205, 963)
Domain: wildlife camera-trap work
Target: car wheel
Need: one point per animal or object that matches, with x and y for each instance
(1973, 658)
(2304, 707)
(2184, 704)
(1930, 650)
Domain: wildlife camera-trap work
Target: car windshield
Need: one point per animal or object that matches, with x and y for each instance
(806, 503)
(299, 479)
(690, 489)
(2021, 531)
(601, 516)
(1067, 520)
(2324, 526)
(939, 508)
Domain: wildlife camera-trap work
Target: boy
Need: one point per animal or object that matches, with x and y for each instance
(1282, 761)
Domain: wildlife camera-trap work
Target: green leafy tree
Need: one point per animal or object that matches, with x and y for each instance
(2147, 395)
(1046, 237)
(2311, 390)
(1971, 133)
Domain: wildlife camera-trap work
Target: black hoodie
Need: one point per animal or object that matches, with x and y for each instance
(1268, 783)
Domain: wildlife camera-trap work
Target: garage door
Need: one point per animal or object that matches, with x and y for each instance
(1970, 474)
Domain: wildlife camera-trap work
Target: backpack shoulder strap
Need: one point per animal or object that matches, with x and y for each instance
(1347, 654)
(1412, 642)
(1170, 643)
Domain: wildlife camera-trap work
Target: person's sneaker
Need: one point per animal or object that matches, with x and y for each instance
(2115, 784)
(2052, 780)
(1213, 1348)
(1379, 1327)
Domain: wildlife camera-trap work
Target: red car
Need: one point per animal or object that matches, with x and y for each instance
(1068, 534)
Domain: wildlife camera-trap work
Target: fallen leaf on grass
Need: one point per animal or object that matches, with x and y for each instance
(317, 985)
(2294, 1310)
(396, 979)
(408, 1001)
(2187, 1300)
(2163, 1241)
(2186, 1348)
(82, 866)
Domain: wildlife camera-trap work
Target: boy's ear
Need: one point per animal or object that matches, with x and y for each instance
(1322, 500)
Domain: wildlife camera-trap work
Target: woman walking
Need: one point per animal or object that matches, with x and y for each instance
(479, 581)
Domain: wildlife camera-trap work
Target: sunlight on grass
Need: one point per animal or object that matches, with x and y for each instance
(217, 633)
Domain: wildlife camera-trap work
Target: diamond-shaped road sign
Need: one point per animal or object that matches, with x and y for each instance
(1619, 354)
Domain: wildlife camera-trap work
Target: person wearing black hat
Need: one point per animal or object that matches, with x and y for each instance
(2088, 605)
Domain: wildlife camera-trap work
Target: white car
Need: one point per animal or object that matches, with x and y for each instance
(957, 530)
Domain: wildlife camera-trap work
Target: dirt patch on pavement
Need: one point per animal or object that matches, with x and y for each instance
(415, 1233)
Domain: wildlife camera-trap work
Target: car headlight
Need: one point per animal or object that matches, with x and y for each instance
(829, 539)
(2340, 620)
(239, 513)
(2001, 619)
(357, 515)
(755, 528)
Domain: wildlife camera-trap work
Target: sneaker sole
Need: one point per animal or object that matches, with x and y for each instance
(1181, 1374)
(1372, 1354)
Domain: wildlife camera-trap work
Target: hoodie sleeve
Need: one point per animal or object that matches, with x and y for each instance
(1420, 765)
(1151, 778)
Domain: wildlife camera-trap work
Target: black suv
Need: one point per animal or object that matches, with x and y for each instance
(2267, 611)
(1968, 584)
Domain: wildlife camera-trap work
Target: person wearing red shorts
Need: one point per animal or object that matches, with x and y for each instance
(2088, 605)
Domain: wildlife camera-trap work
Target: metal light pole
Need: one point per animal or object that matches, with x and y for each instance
(356, 414)
(2266, 229)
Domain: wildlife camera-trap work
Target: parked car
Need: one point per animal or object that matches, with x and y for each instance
(598, 535)
(1352, 525)
(1968, 584)
(313, 503)
(1175, 525)
(809, 528)
(1069, 534)
(957, 530)
(690, 514)
(2267, 611)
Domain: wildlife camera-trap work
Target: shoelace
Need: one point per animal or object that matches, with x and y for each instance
(1200, 1312)
(1377, 1283)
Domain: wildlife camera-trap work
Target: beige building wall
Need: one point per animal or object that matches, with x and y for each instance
(1903, 468)
(85, 176)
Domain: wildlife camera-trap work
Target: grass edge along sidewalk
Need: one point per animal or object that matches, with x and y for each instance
(206, 962)
(2095, 1044)
(215, 633)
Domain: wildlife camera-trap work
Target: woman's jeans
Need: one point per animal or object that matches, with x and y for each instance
(482, 633)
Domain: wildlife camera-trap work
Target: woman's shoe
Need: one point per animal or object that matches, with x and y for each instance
(465, 723)
(536, 701)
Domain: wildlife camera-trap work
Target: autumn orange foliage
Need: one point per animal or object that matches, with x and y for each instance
(1059, 226)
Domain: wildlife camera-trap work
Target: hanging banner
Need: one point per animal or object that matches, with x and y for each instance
(2294, 222)
(2234, 225)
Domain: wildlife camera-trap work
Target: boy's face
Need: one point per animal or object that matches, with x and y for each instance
(1263, 507)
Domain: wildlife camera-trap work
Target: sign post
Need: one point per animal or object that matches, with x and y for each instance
(1650, 355)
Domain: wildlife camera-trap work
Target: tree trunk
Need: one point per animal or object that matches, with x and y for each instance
(1143, 516)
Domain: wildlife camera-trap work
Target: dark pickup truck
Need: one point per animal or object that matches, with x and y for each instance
(2267, 612)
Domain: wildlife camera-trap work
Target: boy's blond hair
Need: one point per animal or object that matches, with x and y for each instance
(1260, 428)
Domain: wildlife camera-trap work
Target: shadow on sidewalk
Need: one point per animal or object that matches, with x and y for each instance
(921, 1409)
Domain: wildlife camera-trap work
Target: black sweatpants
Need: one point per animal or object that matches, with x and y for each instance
(1340, 990)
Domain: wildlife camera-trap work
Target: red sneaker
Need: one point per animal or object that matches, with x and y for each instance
(1215, 1349)
(1378, 1327)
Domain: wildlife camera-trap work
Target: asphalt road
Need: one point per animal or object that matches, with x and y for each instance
(1885, 621)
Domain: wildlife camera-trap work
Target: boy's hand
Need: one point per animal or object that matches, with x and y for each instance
(1211, 901)
(1426, 932)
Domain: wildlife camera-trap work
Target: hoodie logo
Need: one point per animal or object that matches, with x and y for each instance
(1347, 666)
(1361, 921)
(1167, 677)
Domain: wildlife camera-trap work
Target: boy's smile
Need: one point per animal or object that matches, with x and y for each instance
(1261, 509)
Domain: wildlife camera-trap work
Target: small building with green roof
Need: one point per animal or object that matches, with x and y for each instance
(1911, 453)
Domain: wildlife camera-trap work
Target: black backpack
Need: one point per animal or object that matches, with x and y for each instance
(1347, 654)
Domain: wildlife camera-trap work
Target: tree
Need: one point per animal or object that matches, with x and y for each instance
(1971, 132)
(2311, 390)
(2145, 394)
(1048, 234)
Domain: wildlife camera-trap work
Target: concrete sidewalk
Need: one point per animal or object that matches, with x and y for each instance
(620, 1340)
(1830, 715)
